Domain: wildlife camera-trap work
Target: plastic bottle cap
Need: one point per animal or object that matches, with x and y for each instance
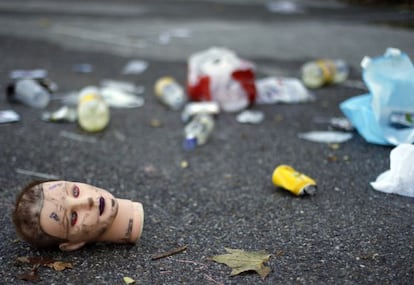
(190, 143)
(392, 52)
(365, 62)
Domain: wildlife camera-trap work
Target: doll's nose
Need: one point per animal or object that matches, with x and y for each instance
(79, 203)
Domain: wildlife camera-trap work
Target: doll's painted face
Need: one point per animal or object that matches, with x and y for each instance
(77, 212)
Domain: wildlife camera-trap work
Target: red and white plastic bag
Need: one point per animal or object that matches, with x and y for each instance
(218, 74)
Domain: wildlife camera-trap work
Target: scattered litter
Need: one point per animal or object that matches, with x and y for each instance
(198, 131)
(169, 253)
(28, 74)
(156, 123)
(136, 66)
(125, 86)
(326, 136)
(250, 117)
(29, 92)
(218, 74)
(399, 179)
(284, 7)
(240, 261)
(38, 261)
(69, 98)
(184, 164)
(77, 137)
(321, 72)
(169, 92)
(93, 111)
(193, 108)
(402, 120)
(37, 174)
(358, 84)
(339, 123)
(383, 116)
(82, 68)
(271, 90)
(286, 177)
(128, 280)
(117, 98)
(63, 114)
(9, 116)
(119, 136)
(165, 37)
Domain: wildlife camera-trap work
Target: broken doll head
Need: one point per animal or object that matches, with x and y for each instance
(71, 214)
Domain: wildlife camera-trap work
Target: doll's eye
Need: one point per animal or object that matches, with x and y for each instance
(73, 218)
(76, 191)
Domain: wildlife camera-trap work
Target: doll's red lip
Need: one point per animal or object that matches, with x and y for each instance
(101, 205)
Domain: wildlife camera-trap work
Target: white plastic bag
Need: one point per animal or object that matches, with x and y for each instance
(400, 178)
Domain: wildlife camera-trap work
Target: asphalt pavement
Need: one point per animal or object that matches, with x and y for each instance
(220, 195)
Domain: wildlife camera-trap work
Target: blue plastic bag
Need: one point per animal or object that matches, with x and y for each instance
(385, 115)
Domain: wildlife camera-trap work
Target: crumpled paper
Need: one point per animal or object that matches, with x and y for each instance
(390, 80)
(399, 179)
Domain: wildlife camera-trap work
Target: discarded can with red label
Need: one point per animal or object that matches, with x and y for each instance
(218, 74)
(297, 183)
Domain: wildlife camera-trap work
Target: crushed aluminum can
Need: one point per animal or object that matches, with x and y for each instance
(286, 177)
(250, 117)
(195, 108)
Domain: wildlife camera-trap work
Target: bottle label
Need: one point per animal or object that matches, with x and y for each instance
(328, 70)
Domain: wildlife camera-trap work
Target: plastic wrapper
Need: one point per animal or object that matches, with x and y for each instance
(399, 179)
(384, 116)
(271, 90)
(326, 136)
(218, 74)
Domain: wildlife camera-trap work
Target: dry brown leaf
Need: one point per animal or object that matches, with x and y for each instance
(45, 261)
(31, 275)
(241, 261)
(60, 265)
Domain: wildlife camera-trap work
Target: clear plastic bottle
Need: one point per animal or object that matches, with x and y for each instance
(198, 131)
(30, 93)
(93, 112)
(321, 72)
(170, 93)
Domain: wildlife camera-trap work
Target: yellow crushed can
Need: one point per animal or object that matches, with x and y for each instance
(288, 178)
